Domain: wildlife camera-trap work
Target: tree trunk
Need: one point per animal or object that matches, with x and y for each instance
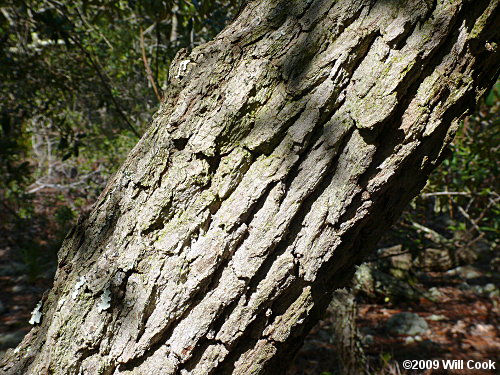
(346, 337)
(284, 149)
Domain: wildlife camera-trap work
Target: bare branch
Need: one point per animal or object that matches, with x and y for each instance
(148, 68)
(438, 193)
(466, 215)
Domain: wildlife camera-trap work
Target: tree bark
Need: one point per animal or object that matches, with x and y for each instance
(285, 147)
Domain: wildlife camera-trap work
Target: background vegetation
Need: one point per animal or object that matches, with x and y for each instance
(80, 82)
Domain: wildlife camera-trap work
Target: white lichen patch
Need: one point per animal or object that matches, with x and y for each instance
(182, 67)
(61, 302)
(36, 314)
(211, 334)
(81, 282)
(104, 302)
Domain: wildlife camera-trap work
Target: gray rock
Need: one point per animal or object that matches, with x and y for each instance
(397, 257)
(409, 340)
(478, 289)
(407, 323)
(22, 279)
(490, 287)
(434, 292)
(436, 318)
(435, 259)
(412, 339)
(11, 339)
(465, 272)
(489, 290)
(18, 288)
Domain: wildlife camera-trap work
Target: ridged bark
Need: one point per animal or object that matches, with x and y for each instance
(284, 149)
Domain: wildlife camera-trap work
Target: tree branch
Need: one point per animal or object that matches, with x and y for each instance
(148, 68)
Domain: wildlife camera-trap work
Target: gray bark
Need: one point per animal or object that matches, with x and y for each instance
(285, 147)
(346, 337)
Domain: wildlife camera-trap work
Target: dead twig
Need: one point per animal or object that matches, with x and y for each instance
(432, 234)
(148, 68)
(427, 195)
(467, 216)
(40, 185)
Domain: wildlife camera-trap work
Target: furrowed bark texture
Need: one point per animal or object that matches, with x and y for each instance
(284, 149)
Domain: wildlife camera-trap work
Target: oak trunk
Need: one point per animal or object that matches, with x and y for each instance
(284, 148)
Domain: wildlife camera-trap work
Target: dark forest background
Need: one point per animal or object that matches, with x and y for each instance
(79, 83)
